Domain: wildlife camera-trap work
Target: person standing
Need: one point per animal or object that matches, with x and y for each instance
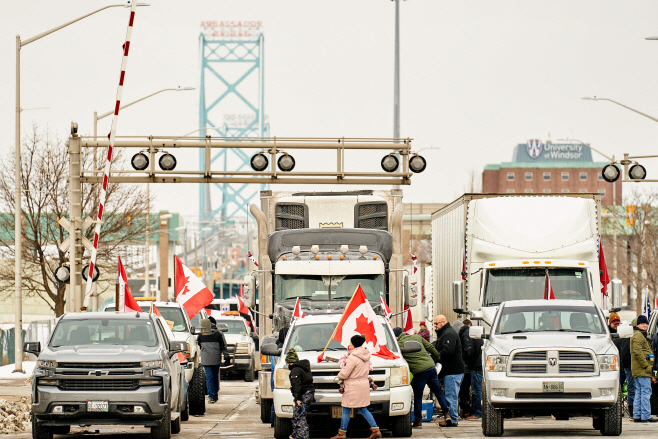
(212, 345)
(303, 392)
(357, 387)
(449, 346)
(474, 364)
(624, 348)
(642, 369)
(424, 332)
(421, 365)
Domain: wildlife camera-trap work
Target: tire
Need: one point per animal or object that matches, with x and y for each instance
(163, 431)
(175, 426)
(492, 419)
(249, 373)
(597, 421)
(611, 420)
(185, 414)
(196, 392)
(401, 425)
(39, 431)
(265, 410)
(653, 399)
(63, 429)
(282, 428)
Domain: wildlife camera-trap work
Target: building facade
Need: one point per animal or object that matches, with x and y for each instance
(550, 168)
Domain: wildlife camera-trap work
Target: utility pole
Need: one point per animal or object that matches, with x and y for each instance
(147, 245)
(163, 292)
(75, 200)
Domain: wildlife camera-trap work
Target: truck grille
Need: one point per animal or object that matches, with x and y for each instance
(573, 395)
(336, 386)
(291, 216)
(96, 365)
(101, 384)
(230, 348)
(333, 373)
(552, 363)
(371, 215)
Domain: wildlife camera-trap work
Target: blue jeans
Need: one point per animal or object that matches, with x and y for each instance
(212, 380)
(630, 387)
(452, 383)
(421, 379)
(345, 419)
(476, 391)
(641, 404)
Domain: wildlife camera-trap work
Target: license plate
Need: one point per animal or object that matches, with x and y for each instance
(337, 412)
(97, 406)
(553, 386)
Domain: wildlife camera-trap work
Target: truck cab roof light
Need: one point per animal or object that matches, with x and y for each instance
(537, 262)
(344, 249)
(342, 257)
(296, 249)
(317, 257)
(492, 264)
(363, 249)
(581, 263)
(548, 262)
(525, 262)
(329, 257)
(315, 249)
(374, 257)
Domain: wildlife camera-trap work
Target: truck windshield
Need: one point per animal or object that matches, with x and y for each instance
(317, 287)
(505, 284)
(550, 319)
(104, 332)
(314, 338)
(234, 326)
(174, 315)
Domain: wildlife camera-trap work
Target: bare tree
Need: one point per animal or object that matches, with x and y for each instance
(44, 180)
(474, 184)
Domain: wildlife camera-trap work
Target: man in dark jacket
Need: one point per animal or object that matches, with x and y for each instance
(212, 344)
(473, 360)
(301, 386)
(452, 366)
(467, 352)
(624, 347)
(422, 366)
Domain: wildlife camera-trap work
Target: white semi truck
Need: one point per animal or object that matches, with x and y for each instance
(492, 248)
(318, 246)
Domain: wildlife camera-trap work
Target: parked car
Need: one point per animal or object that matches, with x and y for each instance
(240, 345)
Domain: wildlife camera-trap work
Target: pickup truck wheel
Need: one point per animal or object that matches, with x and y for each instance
(163, 431)
(653, 400)
(597, 421)
(62, 429)
(401, 425)
(611, 425)
(492, 419)
(196, 392)
(265, 410)
(249, 373)
(175, 425)
(185, 414)
(39, 431)
(282, 428)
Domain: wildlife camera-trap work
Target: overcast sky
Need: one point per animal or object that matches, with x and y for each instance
(476, 78)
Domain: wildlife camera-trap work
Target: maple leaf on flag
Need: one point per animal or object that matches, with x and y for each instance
(365, 328)
(180, 280)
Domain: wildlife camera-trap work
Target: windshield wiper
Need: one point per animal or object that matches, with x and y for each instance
(342, 297)
(515, 332)
(316, 350)
(301, 297)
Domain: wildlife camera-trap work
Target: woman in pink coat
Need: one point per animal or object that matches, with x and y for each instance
(357, 387)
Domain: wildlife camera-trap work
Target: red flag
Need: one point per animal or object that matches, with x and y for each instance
(603, 269)
(407, 320)
(415, 260)
(298, 313)
(360, 318)
(246, 314)
(154, 310)
(129, 302)
(385, 308)
(252, 259)
(548, 288)
(190, 291)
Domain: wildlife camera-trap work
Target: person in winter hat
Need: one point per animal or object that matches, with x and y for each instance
(642, 370)
(212, 344)
(357, 387)
(424, 332)
(303, 392)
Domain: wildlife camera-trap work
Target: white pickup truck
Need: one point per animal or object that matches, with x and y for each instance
(550, 357)
(390, 404)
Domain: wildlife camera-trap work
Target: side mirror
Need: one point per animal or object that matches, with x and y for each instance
(176, 346)
(411, 347)
(614, 335)
(616, 294)
(410, 290)
(476, 332)
(271, 350)
(193, 330)
(458, 298)
(606, 313)
(476, 315)
(625, 331)
(249, 290)
(32, 347)
(222, 327)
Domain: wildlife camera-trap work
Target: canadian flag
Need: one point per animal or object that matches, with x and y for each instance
(407, 320)
(360, 318)
(385, 308)
(603, 269)
(298, 314)
(129, 302)
(246, 314)
(252, 259)
(548, 288)
(415, 260)
(154, 310)
(190, 291)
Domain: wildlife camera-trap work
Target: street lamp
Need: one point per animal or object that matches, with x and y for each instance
(18, 251)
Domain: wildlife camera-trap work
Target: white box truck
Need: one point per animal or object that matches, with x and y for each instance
(491, 248)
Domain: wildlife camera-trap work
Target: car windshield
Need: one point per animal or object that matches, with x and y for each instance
(316, 287)
(171, 314)
(515, 319)
(504, 284)
(315, 337)
(234, 326)
(104, 332)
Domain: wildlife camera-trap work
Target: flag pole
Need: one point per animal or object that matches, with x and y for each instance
(321, 356)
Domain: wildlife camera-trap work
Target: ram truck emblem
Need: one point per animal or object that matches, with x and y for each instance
(552, 361)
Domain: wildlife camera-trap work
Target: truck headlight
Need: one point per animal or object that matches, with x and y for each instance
(242, 348)
(497, 363)
(282, 379)
(154, 363)
(399, 376)
(43, 363)
(607, 362)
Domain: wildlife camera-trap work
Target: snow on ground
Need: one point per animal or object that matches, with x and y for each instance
(14, 416)
(8, 370)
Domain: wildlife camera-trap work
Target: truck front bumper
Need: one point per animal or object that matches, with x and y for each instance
(121, 407)
(393, 402)
(239, 362)
(521, 393)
